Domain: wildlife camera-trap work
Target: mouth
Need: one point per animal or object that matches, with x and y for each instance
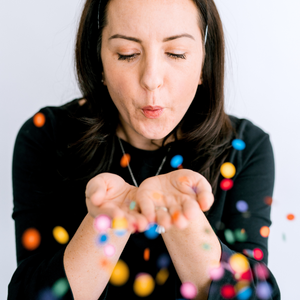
(152, 114)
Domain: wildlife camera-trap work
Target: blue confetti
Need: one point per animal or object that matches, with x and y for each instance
(163, 261)
(242, 206)
(102, 238)
(263, 290)
(238, 144)
(244, 294)
(151, 233)
(176, 161)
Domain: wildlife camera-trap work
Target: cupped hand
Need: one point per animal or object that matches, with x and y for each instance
(184, 193)
(109, 194)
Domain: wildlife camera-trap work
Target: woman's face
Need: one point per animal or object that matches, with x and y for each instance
(153, 75)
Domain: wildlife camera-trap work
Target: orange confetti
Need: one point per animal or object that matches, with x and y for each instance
(156, 196)
(147, 254)
(125, 160)
(175, 216)
(265, 231)
(39, 120)
(243, 230)
(31, 239)
(183, 179)
(106, 264)
(290, 217)
(268, 200)
(180, 167)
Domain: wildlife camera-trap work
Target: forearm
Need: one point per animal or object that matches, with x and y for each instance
(193, 251)
(82, 261)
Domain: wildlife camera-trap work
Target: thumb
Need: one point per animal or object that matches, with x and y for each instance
(96, 190)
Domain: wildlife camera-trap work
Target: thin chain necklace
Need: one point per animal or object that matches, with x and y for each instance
(133, 179)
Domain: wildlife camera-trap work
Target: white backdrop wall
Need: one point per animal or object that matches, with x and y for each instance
(262, 76)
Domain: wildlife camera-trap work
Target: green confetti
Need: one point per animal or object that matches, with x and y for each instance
(132, 205)
(240, 235)
(60, 287)
(206, 246)
(283, 237)
(229, 236)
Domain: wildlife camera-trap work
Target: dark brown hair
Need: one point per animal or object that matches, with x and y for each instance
(206, 128)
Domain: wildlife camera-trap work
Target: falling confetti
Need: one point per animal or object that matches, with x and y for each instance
(264, 231)
(244, 293)
(216, 273)
(176, 161)
(239, 263)
(240, 235)
(39, 119)
(109, 250)
(268, 200)
(175, 216)
(162, 276)
(102, 223)
(228, 170)
(151, 232)
(227, 291)
(238, 144)
(258, 254)
(120, 273)
(61, 235)
(206, 246)
(125, 160)
(226, 184)
(290, 217)
(106, 264)
(60, 287)
(242, 206)
(31, 239)
(120, 226)
(263, 290)
(229, 236)
(261, 271)
(147, 254)
(102, 239)
(188, 290)
(132, 205)
(163, 261)
(143, 285)
(283, 237)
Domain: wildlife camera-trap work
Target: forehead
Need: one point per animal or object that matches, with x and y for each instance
(153, 19)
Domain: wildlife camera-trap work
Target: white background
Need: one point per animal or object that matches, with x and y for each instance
(262, 85)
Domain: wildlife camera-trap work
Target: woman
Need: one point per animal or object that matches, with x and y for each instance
(131, 56)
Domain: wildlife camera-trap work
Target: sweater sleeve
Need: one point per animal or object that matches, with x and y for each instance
(40, 272)
(242, 222)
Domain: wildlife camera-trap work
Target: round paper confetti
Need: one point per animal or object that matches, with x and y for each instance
(290, 217)
(125, 160)
(265, 231)
(229, 236)
(227, 291)
(60, 287)
(226, 184)
(239, 263)
(242, 206)
(268, 200)
(228, 170)
(162, 276)
(263, 290)
(143, 285)
(216, 273)
(175, 216)
(46, 294)
(39, 119)
(31, 239)
(188, 290)
(61, 235)
(102, 239)
(261, 271)
(102, 223)
(120, 224)
(120, 273)
(258, 254)
(244, 294)
(238, 144)
(132, 205)
(106, 264)
(146, 254)
(109, 250)
(176, 161)
(163, 261)
(240, 235)
(151, 233)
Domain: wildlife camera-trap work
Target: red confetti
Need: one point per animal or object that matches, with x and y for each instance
(226, 184)
(268, 200)
(290, 217)
(227, 291)
(258, 254)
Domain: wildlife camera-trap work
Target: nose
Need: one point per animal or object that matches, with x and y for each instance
(151, 72)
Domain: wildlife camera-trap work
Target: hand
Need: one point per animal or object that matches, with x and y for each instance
(110, 195)
(184, 192)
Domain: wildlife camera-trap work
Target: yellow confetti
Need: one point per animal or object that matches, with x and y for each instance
(61, 235)
(162, 276)
(228, 170)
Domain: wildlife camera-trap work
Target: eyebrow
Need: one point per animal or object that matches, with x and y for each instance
(170, 38)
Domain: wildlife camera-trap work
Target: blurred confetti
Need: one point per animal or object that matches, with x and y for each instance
(239, 263)
(226, 184)
(176, 161)
(227, 291)
(264, 290)
(244, 294)
(132, 205)
(205, 246)
(261, 271)
(284, 237)
(109, 250)
(240, 235)
(216, 273)
(264, 231)
(228, 170)
(143, 285)
(61, 235)
(102, 239)
(102, 223)
(104, 263)
(162, 276)
(290, 217)
(60, 287)
(163, 261)
(125, 160)
(156, 196)
(147, 254)
(120, 226)
(120, 273)
(229, 236)
(31, 239)
(175, 216)
(151, 233)
(258, 254)
(46, 294)
(188, 290)
(242, 206)
(39, 119)
(268, 200)
(238, 144)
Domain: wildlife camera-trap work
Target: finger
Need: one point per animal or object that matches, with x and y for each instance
(96, 190)
(147, 206)
(163, 218)
(205, 200)
(177, 217)
(190, 209)
(141, 223)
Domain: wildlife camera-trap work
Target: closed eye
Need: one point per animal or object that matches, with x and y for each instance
(133, 56)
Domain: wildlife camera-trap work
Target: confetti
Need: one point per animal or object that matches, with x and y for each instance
(175, 216)
(238, 144)
(240, 235)
(102, 223)
(147, 254)
(46, 294)
(156, 196)
(226, 184)
(60, 287)
(176, 161)
(264, 231)
(258, 254)
(268, 200)
(102, 239)
(261, 271)
(283, 237)
(290, 217)
(132, 205)
(263, 290)
(227, 291)
(151, 232)
(61, 235)
(39, 119)
(244, 294)
(216, 273)
(31, 239)
(228, 170)
(242, 206)
(188, 290)
(239, 263)
(120, 273)
(163, 261)
(162, 276)
(106, 264)
(143, 285)
(206, 246)
(109, 250)
(229, 236)
(125, 160)
(120, 226)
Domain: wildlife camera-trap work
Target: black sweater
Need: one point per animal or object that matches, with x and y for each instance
(43, 201)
